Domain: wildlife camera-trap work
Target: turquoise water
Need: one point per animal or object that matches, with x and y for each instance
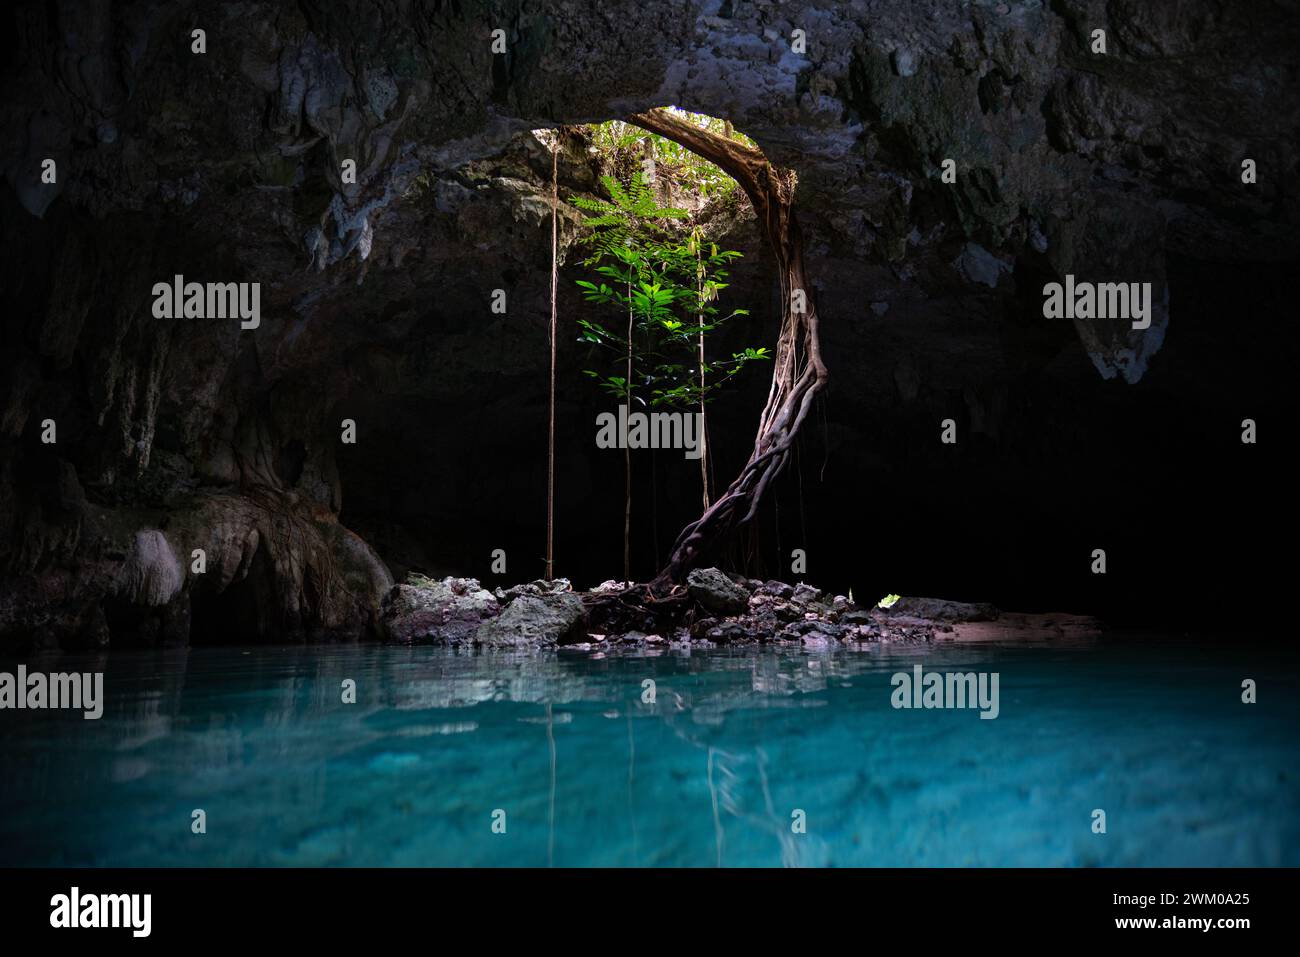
(714, 771)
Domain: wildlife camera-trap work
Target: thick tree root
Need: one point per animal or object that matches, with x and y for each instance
(798, 373)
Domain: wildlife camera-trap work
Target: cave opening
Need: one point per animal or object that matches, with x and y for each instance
(695, 210)
(651, 244)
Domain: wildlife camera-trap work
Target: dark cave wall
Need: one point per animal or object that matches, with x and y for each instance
(1051, 461)
(176, 434)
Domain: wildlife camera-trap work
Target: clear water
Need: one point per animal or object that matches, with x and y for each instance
(1152, 732)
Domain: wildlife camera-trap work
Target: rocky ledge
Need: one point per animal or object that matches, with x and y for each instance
(714, 608)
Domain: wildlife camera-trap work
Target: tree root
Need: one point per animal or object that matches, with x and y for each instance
(798, 373)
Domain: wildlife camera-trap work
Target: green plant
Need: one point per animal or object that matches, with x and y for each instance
(665, 285)
(626, 147)
(668, 288)
(626, 233)
(623, 230)
(697, 268)
(799, 373)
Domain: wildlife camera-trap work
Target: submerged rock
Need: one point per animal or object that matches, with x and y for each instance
(716, 592)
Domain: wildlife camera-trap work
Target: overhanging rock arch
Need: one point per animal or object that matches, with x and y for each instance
(288, 94)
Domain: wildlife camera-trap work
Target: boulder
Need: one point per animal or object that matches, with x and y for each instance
(550, 619)
(939, 609)
(450, 610)
(716, 592)
(805, 594)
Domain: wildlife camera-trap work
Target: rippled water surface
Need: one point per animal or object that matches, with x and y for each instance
(714, 771)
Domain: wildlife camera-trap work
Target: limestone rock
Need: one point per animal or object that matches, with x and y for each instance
(530, 620)
(716, 592)
(939, 609)
(450, 610)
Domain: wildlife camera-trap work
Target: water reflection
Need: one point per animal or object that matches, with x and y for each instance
(735, 747)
